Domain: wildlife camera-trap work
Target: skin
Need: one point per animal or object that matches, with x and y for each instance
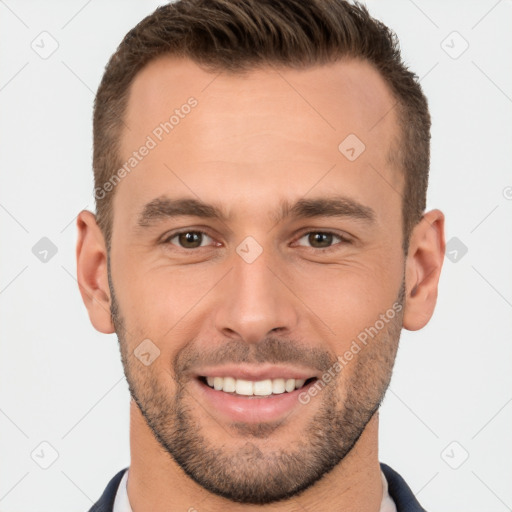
(252, 142)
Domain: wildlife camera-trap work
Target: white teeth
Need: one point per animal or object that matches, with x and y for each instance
(218, 382)
(299, 383)
(263, 387)
(278, 386)
(229, 385)
(244, 387)
(289, 385)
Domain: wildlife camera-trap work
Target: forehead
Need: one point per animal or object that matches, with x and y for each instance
(270, 131)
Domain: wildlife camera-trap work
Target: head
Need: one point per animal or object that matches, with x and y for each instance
(260, 174)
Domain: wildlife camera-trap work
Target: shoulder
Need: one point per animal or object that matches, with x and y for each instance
(106, 502)
(401, 493)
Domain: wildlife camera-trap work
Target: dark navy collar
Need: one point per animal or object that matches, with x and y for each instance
(401, 493)
(106, 502)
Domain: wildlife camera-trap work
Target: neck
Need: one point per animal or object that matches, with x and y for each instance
(156, 482)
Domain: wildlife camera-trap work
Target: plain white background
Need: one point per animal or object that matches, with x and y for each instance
(447, 417)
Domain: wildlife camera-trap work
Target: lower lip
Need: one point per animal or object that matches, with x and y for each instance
(251, 409)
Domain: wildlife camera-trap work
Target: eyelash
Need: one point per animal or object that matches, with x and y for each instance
(343, 239)
(167, 239)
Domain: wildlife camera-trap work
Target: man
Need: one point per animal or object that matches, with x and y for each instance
(260, 241)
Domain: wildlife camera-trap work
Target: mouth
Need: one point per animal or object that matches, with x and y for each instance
(265, 388)
(253, 401)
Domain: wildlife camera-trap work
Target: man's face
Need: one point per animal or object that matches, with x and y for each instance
(298, 254)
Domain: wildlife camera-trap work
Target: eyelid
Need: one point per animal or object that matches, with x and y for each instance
(340, 234)
(167, 237)
(344, 239)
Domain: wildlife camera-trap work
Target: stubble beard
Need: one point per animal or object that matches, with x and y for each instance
(252, 472)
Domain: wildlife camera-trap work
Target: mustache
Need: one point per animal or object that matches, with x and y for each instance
(272, 350)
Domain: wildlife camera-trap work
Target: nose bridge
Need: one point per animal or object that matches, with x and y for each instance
(254, 301)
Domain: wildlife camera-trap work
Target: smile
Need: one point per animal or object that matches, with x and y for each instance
(251, 401)
(260, 388)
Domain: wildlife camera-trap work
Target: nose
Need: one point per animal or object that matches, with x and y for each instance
(254, 301)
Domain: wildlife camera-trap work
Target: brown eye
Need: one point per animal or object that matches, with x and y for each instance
(190, 239)
(320, 240)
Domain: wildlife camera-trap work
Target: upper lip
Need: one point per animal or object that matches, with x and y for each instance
(256, 373)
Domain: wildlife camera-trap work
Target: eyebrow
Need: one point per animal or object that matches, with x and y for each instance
(164, 207)
(338, 206)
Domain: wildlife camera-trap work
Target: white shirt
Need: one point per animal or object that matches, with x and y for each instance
(122, 504)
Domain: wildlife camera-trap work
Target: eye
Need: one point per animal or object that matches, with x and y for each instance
(189, 239)
(321, 239)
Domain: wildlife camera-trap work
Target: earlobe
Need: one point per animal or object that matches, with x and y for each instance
(423, 269)
(92, 275)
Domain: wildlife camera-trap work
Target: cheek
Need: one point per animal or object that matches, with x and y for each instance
(161, 302)
(348, 298)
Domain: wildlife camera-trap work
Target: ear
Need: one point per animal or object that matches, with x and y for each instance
(423, 269)
(91, 258)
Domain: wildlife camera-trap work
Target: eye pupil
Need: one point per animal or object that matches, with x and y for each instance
(190, 240)
(320, 239)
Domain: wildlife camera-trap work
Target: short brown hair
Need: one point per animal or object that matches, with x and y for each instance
(239, 35)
